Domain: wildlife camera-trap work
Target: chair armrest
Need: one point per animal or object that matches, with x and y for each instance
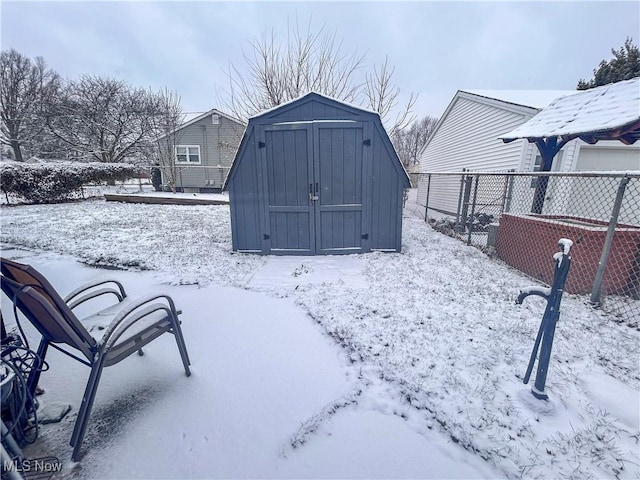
(89, 290)
(135, 311)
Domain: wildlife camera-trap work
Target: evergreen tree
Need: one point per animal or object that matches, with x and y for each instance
(624, 66)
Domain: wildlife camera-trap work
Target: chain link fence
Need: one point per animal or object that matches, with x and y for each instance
(519, 218)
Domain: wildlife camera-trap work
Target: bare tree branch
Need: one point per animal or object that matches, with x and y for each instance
(164, 125)
(102, 118)
(280, 71)
(26, 90)
(409, 141)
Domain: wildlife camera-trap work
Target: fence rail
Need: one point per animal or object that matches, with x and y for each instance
(497, 212)
(194, 177)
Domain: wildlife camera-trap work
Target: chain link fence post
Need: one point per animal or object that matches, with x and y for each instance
(606, 249)
(426, 206)
(473, 208)
(459, 210)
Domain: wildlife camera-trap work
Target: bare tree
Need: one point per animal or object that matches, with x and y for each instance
(102, 119)
(164, 122)
(410, 141)
(382, 97)
(280, 71)
(26, 90)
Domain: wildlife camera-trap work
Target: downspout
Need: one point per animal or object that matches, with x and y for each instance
(206, 155)
(220, 169)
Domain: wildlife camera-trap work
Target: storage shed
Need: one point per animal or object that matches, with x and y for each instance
(316, 176)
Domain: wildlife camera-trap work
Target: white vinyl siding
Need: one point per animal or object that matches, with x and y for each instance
(467, 138)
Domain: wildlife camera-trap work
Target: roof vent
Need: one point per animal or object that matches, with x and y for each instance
(215, 119)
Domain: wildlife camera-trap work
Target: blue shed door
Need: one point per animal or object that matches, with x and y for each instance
(289, 178)
(339, 173)
(314, 188)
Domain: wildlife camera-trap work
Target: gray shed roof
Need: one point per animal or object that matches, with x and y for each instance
(603, 113)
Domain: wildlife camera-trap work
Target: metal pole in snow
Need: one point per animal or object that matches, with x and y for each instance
(473, 208)
(426, 207)
(462, 178)
(606, 249)
(506, 205)
(544, 340)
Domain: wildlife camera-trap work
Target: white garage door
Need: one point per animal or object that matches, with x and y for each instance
(594, 158)
(594, 197)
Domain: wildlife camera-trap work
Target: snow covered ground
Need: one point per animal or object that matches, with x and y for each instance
(377, 365)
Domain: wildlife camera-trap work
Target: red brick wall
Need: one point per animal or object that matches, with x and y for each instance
(529, 242)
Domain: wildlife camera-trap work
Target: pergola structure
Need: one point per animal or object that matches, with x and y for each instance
(609, 112)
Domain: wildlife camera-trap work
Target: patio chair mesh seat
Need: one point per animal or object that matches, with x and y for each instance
(133, 324)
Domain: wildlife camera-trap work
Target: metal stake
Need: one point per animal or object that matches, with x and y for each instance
(544, 339)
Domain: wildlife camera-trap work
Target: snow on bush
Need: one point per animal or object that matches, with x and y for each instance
(50, 182)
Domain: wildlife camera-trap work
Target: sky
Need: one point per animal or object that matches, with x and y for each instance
(435, 47)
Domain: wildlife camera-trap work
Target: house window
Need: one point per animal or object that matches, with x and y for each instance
(537, 166)
(188, 154)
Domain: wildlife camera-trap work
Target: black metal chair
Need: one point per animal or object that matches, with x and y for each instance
(133, 324)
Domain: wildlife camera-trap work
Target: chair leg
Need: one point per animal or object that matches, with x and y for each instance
(182, 347)
(36, 369)
(85, 409)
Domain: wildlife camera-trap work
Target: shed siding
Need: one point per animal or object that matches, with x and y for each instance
(327, 180)
(386, 195)
(245, 207)
(309, 111)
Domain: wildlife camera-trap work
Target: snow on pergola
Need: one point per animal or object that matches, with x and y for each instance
(609, 112)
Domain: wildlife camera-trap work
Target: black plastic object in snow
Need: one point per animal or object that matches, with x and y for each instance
(553, 296)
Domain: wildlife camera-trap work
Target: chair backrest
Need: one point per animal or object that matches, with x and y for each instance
(42, 305)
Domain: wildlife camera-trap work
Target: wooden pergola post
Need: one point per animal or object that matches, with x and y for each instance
(548, 148)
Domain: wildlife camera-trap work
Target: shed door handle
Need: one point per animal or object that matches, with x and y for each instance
(312, 197)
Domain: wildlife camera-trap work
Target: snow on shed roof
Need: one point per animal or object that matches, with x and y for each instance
(528, 98)
(606, 108)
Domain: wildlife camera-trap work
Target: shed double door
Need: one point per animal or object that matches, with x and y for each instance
(314, 188)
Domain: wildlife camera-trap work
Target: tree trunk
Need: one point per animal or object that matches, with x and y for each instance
(17, 151)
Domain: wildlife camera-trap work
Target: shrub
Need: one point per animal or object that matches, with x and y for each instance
(57, 181)
(156, 178)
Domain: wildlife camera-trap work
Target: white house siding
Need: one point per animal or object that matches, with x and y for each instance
(467, 137)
